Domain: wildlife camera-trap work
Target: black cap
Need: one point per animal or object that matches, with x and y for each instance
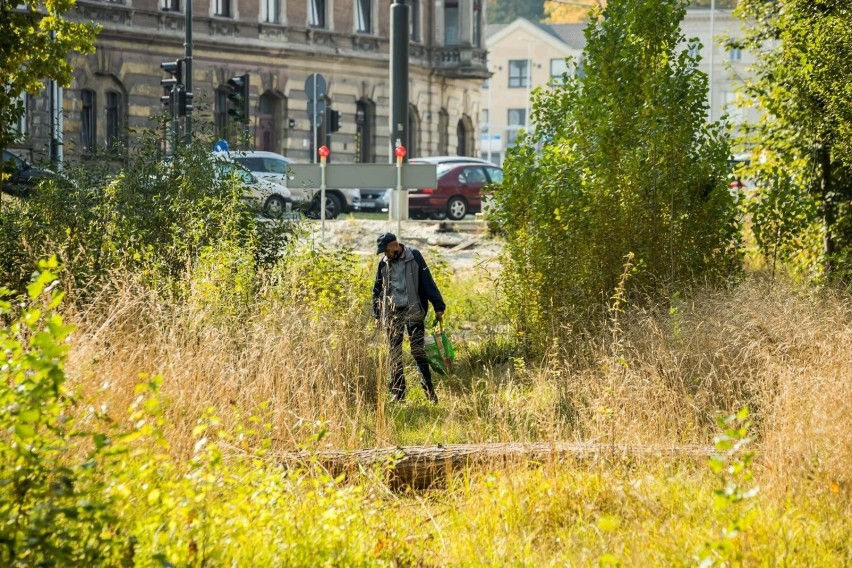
(383, 241)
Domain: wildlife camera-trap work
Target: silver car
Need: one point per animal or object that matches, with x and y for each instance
(273, 167)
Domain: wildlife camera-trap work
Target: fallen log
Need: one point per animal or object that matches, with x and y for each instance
(422, 466)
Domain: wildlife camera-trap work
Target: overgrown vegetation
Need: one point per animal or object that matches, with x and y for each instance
(801, 166)
(621, 161)
(143, 417)
(117, 468)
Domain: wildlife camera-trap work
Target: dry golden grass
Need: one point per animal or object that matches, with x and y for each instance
(664, 377)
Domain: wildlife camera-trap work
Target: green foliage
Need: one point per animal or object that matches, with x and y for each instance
(734, 496)
(802, 83)
(507, 11)
(325, 281)
(35, 42)
(154, 218)
(50, 501)
(627, 164)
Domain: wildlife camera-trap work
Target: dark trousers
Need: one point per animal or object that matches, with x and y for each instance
(398, 322)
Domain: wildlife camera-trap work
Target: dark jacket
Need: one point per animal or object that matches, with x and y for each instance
(417, 272)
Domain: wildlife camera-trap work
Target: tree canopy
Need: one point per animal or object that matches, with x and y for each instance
(802, 83)
(623, 176)
(35, 40)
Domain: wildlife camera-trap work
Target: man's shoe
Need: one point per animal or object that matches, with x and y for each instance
(432, 397)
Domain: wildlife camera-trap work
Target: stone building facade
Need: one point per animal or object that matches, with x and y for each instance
(116, 91)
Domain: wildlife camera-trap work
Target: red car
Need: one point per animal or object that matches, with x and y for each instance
(458, 192)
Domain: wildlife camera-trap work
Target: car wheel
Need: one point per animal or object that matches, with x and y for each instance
(332, 206)
(438, 215)
(275, 206)
(418, 215)
(456, 209)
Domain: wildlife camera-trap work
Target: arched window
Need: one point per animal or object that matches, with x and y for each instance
(365, 132)
(413, 132)
(88, 116)
(443, 132)
(464, 131)
(114, 118)
(270, 122)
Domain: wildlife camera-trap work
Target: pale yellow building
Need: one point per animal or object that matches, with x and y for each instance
(521, 56)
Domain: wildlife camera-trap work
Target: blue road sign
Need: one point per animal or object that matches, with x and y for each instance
(221, 146)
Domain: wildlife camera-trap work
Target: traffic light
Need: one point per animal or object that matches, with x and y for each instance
(332, 119)
(184, 103)
(238, 98)
(172, 84)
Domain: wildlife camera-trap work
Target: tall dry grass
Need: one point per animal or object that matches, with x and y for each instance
(664, 376)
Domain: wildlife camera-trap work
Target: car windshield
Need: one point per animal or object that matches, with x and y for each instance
(444, 168)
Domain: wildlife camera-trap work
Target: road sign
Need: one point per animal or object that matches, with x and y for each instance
(315, 86)
(362, 176)
(316, 112)
(221, 146)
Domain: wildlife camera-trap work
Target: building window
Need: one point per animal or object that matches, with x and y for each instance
(364, 16)
(558, 69)
(365, 123)
(171, 5)
(223, 8)
(477, 23)
(271, 11)
(451, 22)
(21, 126)
(735, 54)
(518, 73)
(414, 12)
(517, 119)
(114, 117)
(87, 119)
(270, 121)
(316, 13)
(443, 132)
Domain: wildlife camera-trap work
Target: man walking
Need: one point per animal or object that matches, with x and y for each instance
(401, 295)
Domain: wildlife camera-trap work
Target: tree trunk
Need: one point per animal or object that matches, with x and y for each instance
(422, 466)
(829, 215)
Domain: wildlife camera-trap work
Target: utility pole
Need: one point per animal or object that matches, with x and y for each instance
(399, 76)
(187, 46)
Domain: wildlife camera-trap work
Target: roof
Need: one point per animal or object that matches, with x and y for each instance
(570, 34)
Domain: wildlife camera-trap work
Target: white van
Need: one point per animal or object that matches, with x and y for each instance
(273, 167)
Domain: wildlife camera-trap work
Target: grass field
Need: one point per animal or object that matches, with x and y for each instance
(232, 377)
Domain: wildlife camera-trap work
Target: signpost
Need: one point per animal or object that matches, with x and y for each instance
(400, 176)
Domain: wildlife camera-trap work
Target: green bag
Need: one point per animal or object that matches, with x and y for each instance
(439, 351)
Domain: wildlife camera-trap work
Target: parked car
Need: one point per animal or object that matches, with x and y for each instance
(458, 192)
(22, 176)
(274, 199)
(374, 200)
(273, 167)
(450, 160)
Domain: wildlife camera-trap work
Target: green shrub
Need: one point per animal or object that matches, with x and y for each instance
(51, 500)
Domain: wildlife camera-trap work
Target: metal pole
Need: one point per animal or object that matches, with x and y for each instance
(399, 76)
(314, 128)
(187, 70)
(399, 37)
(322, 200)
(399, 198)
(712, 49)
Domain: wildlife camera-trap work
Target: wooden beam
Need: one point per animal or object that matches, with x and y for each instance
(422, 466)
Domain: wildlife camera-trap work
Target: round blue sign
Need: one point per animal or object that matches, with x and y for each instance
(221, 146)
